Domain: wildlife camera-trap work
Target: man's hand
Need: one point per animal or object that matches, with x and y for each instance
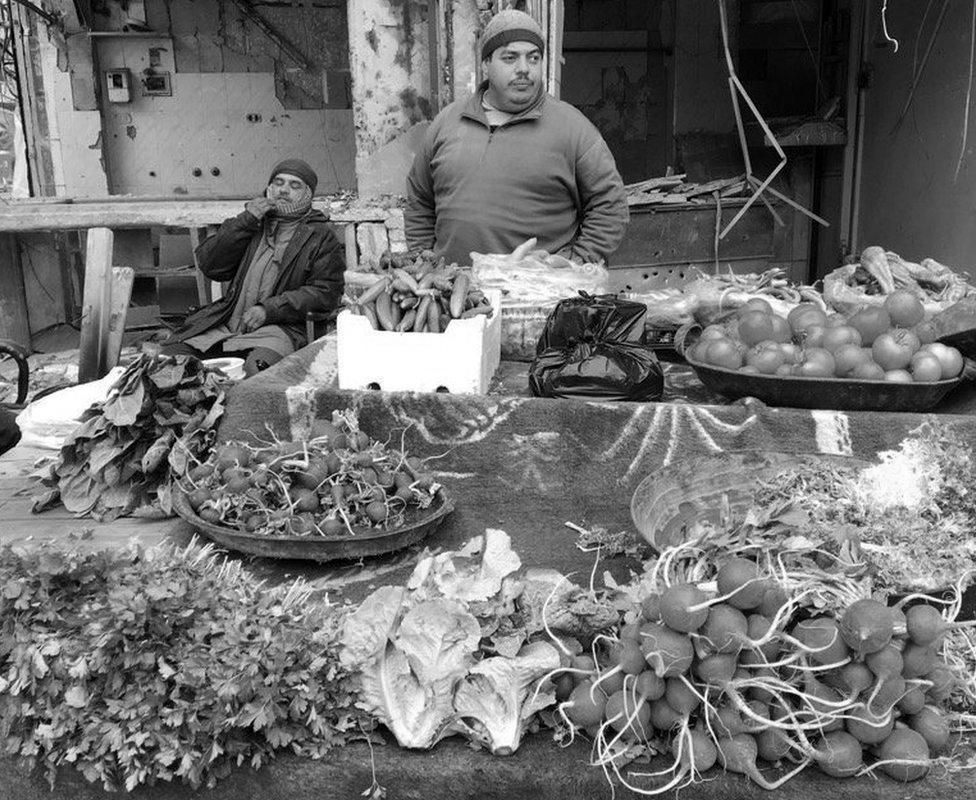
(259, 206)
(253, 318)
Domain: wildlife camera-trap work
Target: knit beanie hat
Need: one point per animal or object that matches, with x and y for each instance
(510, 26)
(298, 168)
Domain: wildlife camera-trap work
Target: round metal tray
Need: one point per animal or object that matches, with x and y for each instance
(366, 542)
(839, 394)
(702, 489)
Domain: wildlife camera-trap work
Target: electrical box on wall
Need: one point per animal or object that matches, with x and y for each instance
(119, 84)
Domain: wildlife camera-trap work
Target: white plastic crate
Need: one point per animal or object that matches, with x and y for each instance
(460, 360)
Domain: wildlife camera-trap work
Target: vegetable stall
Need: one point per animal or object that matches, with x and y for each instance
(747, 595)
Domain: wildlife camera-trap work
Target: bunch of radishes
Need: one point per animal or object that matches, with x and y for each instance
(734, 664)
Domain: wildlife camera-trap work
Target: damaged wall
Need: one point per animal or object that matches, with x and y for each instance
(74, 131)
(390, 64)
(238, 100)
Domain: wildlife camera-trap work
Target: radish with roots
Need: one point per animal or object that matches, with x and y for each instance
(667, 652)
(932, 726)
(866, 626)
(904, 756)
(739, 753)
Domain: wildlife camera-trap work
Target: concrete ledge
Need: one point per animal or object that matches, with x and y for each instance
(540, 770)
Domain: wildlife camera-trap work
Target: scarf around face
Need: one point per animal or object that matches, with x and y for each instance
(291, 209)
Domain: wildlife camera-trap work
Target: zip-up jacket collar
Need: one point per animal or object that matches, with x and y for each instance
(474, 110)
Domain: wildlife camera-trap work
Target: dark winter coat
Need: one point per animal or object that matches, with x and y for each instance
(310, 277)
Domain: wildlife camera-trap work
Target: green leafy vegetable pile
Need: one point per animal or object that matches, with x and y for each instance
(160, 413)
(140, 667)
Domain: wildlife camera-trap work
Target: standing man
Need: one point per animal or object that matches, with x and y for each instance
(282, 260)
(512, 162)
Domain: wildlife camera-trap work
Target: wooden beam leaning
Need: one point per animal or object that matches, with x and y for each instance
(204, 294)
(95, 305)
(121, 294)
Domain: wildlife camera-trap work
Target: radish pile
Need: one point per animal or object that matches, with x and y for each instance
(752, 661)
(338, 481)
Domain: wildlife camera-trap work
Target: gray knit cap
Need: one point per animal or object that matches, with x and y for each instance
(510, 26)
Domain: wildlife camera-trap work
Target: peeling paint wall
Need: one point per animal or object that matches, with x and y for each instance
(75, 136)
(391, 78)
(239, 99)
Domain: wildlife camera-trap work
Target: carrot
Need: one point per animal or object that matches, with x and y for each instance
(384, 312)
(408, 279)
(421, 319)
(374, 291)
(369, 311)
(477, 312)
(409, 302)
(433, 318)
(401, 285)
(407, 323)
(427, 281)
(458, 294)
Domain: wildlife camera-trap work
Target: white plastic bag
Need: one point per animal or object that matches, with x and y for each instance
(535, 277)
(46, 422)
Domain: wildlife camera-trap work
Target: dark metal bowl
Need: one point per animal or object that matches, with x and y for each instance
(840, 394)
(366, 542)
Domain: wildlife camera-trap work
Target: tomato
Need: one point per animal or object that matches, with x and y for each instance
(784, 369)
(904, 308)
(870, 322)
(811, 336)
(822, 358)
(755, 327)
(926, 368)
(894, 350)
(867, 370)
(781, 329)
(749, 368)
(848, 356)
(804, 315)
(766, 357)
(723, 353)
(949, 358)
(835, 319)
(813, 369)
(898, 376)
(697, 351)
(756, 304)
(926, 332)
(842, 334)
(711, 333)
(791, 352)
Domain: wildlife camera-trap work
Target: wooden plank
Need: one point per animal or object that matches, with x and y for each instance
(204, 296)
(14, 317)
(26, 216)
(352, 250)
(96, 300)
(121, 294)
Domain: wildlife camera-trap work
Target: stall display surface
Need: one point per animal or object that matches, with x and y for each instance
(526, 464)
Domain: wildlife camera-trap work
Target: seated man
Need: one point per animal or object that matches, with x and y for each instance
(282, 260)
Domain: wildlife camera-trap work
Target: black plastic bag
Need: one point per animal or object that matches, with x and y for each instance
(593, 347)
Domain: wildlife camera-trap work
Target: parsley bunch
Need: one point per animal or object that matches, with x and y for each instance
(137, 667)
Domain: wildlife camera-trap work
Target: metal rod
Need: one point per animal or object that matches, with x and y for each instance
(268, 30)
(50, 19)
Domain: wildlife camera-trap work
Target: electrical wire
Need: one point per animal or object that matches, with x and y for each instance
(969, 93)
(884, 25)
